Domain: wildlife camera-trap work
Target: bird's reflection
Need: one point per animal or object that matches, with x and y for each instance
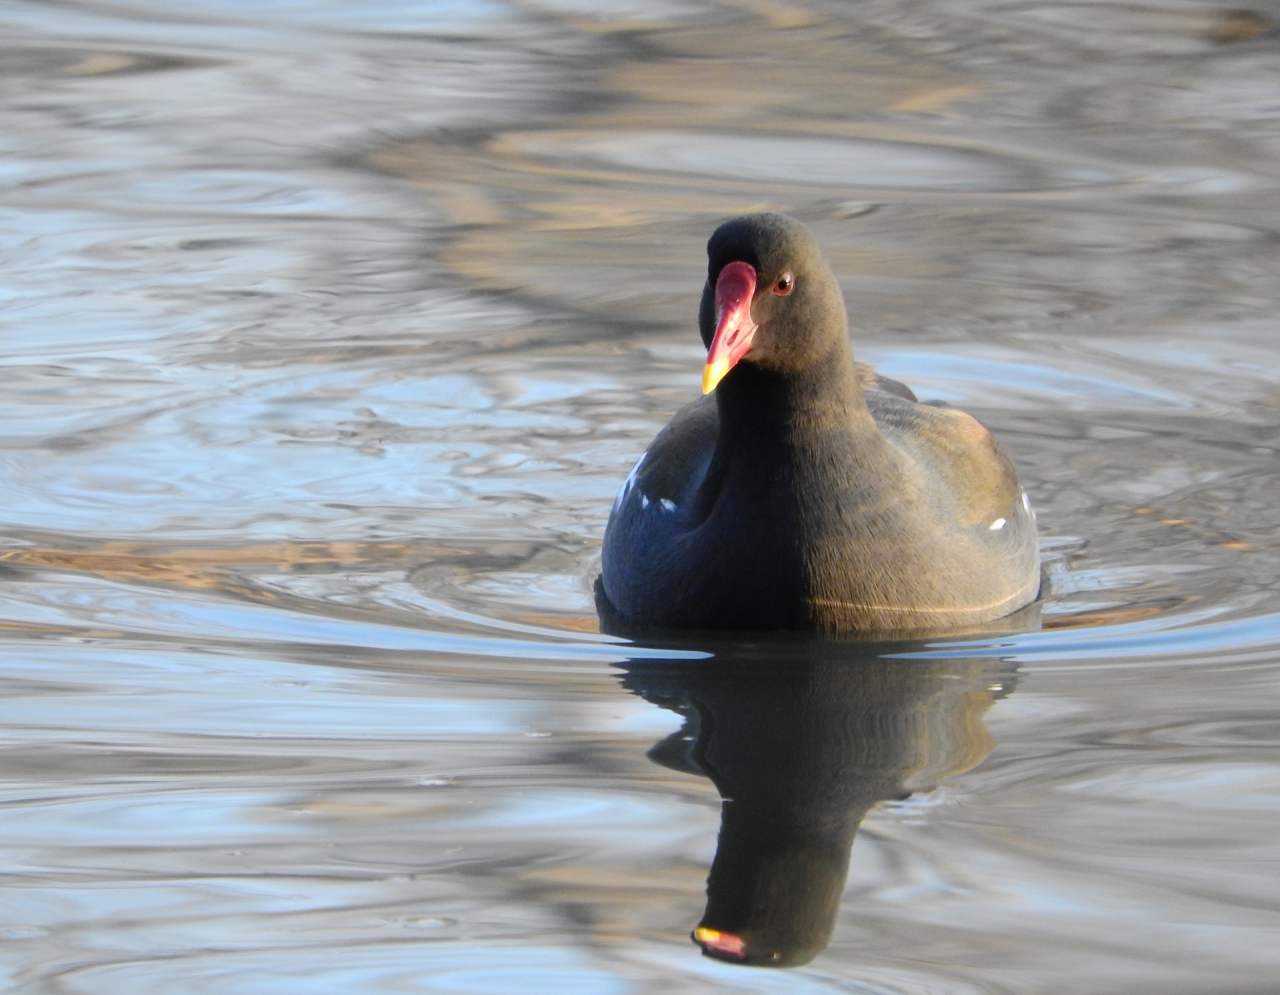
(801, 738)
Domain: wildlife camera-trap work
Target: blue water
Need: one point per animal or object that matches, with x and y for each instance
(330, 331)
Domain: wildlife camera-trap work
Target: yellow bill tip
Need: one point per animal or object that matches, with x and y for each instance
(723, 943)
(712, 374)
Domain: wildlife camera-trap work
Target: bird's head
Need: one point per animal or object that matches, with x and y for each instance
(770, 299)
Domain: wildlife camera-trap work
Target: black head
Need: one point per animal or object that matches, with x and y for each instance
(797, 305)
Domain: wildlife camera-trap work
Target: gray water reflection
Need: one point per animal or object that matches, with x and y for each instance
(330, 331)
(801, 740)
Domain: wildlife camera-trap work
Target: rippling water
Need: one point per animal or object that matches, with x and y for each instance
(330, 331)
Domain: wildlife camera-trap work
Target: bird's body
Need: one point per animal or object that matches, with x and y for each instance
(806, 493)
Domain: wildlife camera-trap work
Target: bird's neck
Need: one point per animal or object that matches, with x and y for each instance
(764, 409)
(782, 435)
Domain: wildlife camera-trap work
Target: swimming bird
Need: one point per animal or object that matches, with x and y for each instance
(802, 491)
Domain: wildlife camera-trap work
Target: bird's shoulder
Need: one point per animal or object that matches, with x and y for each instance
(873, 380)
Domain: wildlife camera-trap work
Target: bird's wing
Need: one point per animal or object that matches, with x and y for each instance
(959, 449)
(675, 464)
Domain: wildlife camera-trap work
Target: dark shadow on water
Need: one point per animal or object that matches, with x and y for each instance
(801, 737)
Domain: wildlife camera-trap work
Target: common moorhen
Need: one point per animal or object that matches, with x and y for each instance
(802, 491)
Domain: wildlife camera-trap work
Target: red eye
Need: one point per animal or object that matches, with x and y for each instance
(784, 285)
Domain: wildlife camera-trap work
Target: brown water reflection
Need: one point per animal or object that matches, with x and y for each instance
(330, 332)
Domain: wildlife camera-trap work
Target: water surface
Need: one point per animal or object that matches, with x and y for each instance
(330, 332)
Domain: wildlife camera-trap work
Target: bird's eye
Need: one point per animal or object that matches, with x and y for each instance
(784, 284)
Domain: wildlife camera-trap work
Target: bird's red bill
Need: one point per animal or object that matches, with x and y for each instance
(735, 286)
